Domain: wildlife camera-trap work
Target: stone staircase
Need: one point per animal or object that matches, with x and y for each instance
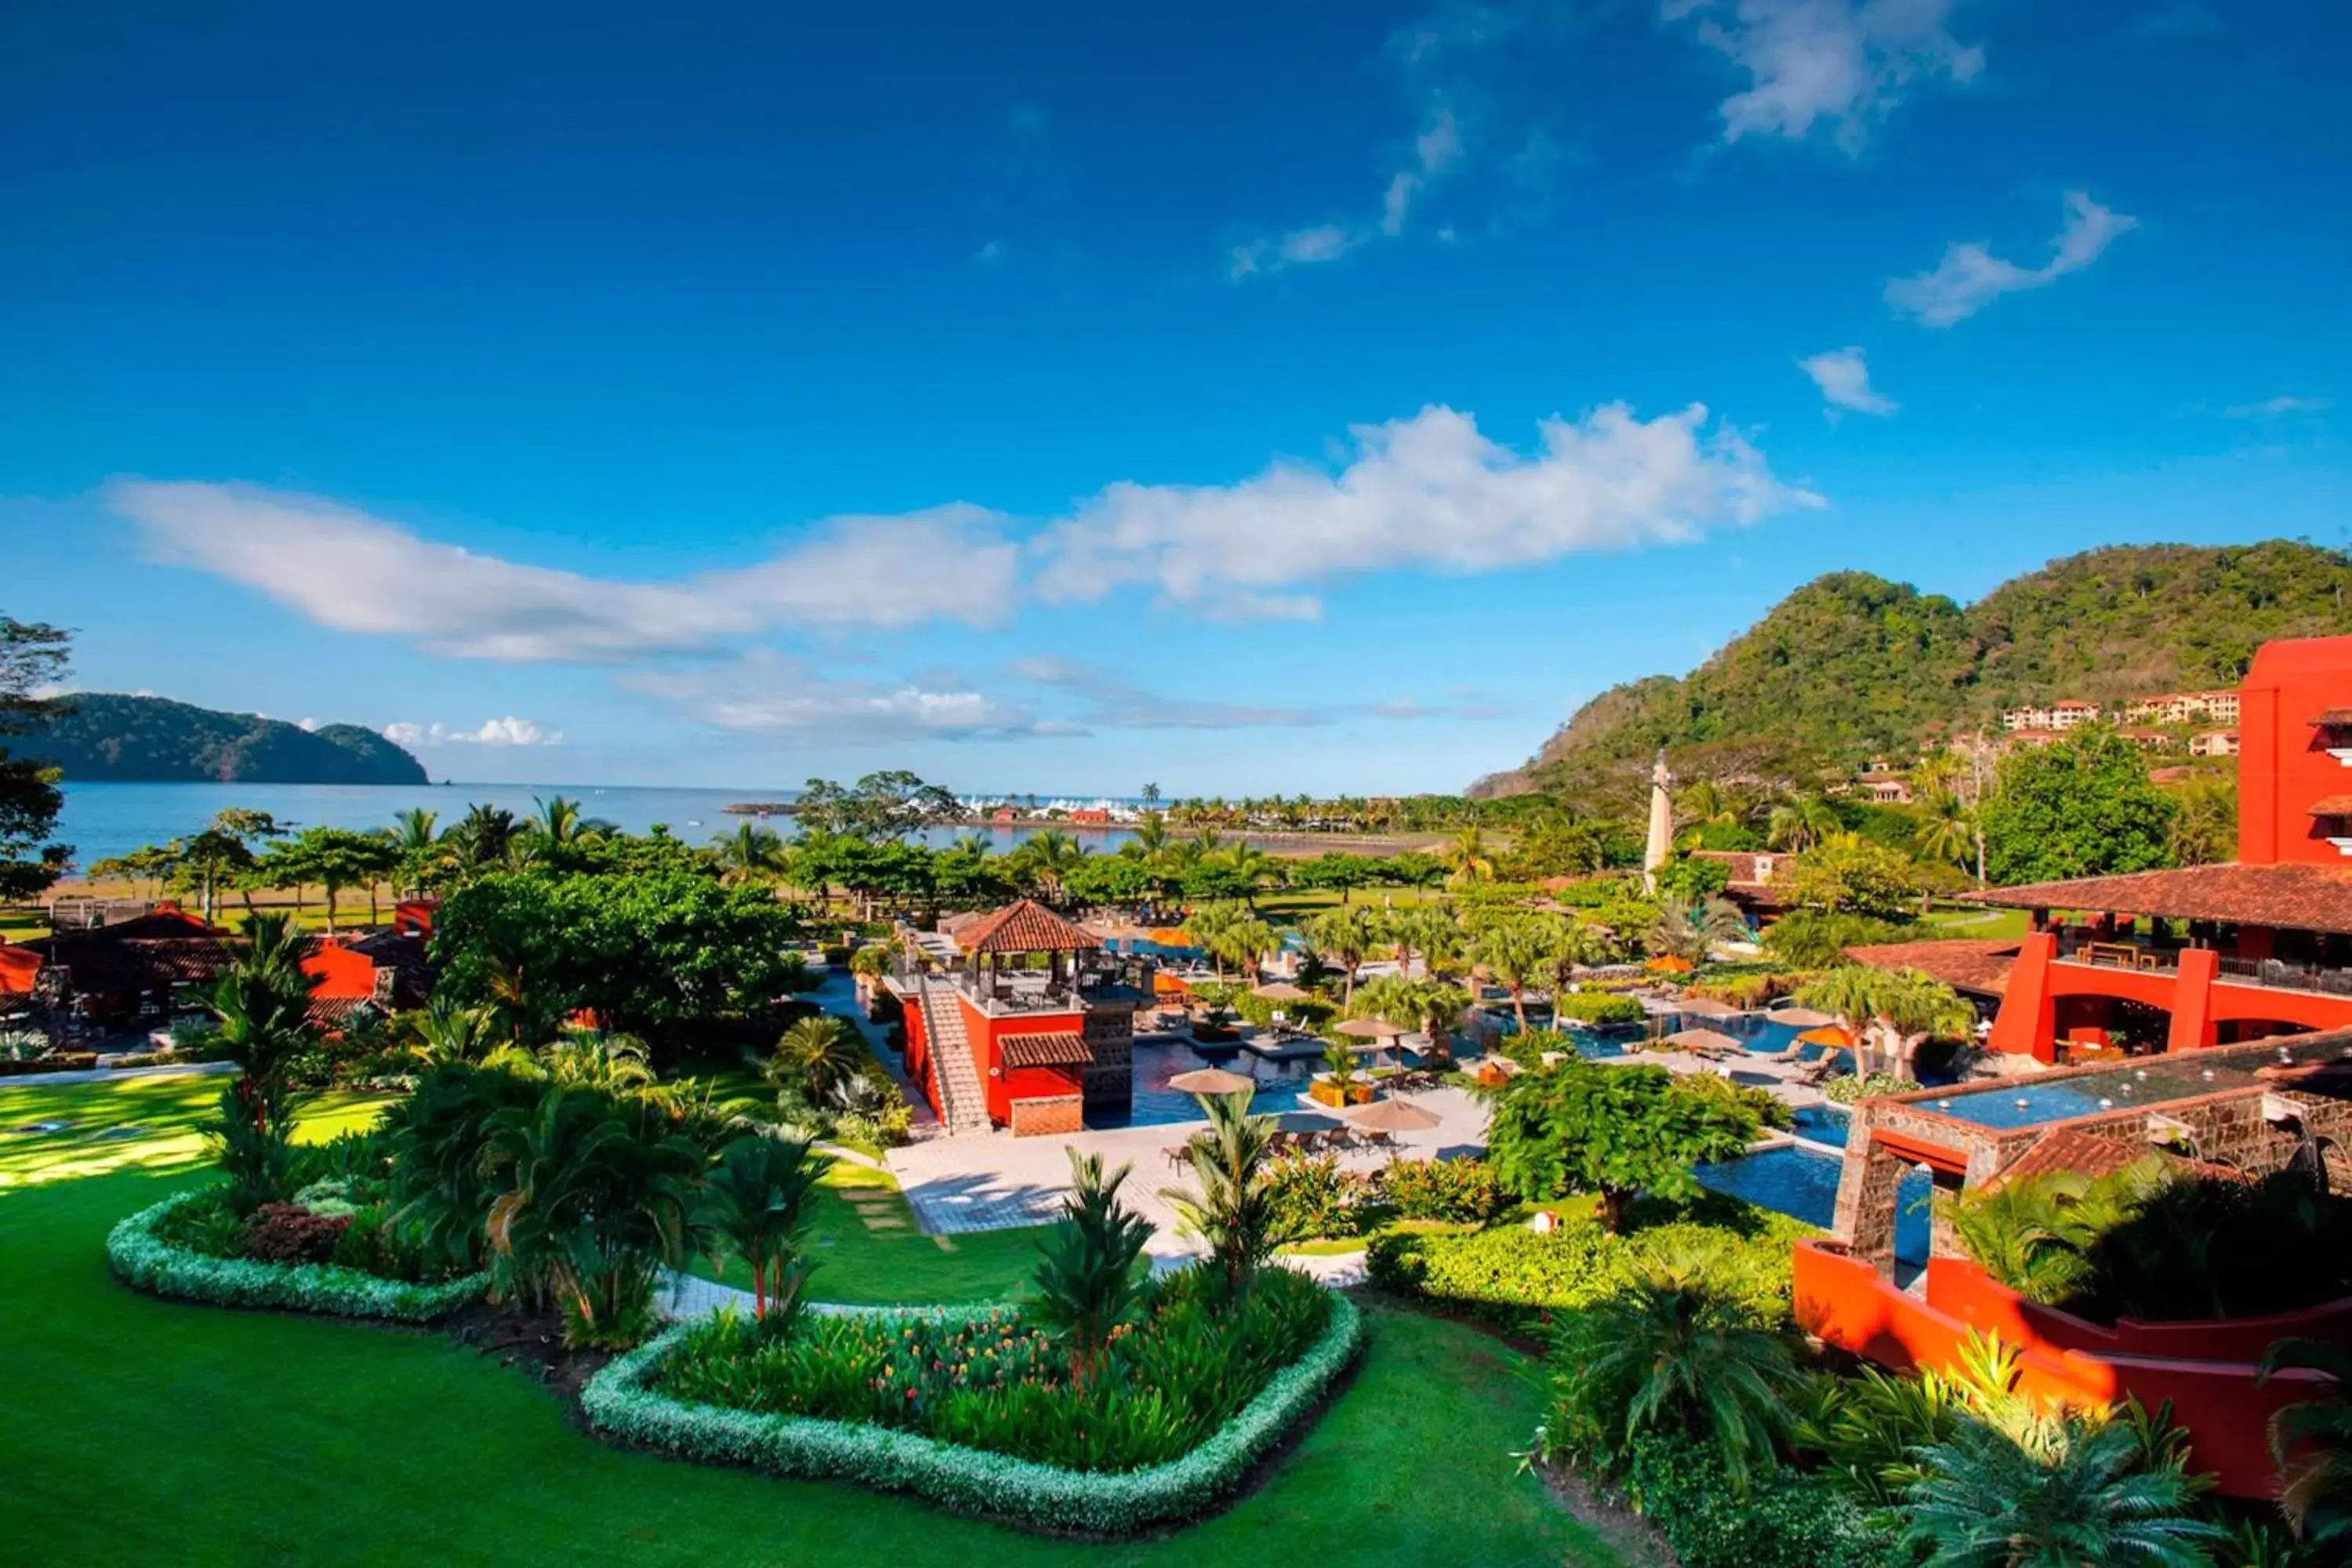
(962, 1103)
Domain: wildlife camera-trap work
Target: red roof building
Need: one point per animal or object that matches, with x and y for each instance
(119, 975)
(2202, 956)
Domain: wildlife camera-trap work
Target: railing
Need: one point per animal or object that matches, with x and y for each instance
(2270, 973)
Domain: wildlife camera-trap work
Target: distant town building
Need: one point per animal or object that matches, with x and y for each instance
(1888, 790)
(2063, 714)
(2214, 743)
(2184, 708)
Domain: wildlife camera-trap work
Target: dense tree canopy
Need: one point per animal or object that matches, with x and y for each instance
(2081, 807)
(31, 658)
(1613, 1130)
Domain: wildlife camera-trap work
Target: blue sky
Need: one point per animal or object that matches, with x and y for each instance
(1299, 397)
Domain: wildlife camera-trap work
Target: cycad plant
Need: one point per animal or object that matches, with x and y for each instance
(2312, 1441)
(815, 1054)
(591, 1207)
(1086, 1284)
(1671, 1353)
(755, 1206)
(262, 1004)
(2068, 1491)
(447, 1033)
(1233, 1211)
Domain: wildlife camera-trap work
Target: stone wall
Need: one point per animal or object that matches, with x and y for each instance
(1109, 1080)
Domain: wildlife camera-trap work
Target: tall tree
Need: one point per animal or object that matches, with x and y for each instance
(750, 854)
(1349, 936)
(2081, 807)
(1613, 1131)
(32, 658)
(1518, 952)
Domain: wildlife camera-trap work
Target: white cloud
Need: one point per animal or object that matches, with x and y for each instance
(1971, 277)
(355, 573)
(1109, 704)
(306, 723)
(1839, 63)
(507, 731)
(768, 693)
(1436, 150)
(2279, 407)
(1428, 493)
(1844, 380)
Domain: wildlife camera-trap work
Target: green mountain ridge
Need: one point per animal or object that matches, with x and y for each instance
(1851, 664)
(106, 736)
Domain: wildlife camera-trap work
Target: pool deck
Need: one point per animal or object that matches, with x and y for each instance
(996, 1182)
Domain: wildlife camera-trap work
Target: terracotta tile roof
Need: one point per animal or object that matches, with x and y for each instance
(2334, 718)
(1064, 1047)
(1027, 926)
(2332, 806)
(151, 952)
(332, 1013)
(2094, 1154)
(1974, 964)
(2300, 898)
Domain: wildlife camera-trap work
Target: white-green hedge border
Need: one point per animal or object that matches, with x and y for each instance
(620, 1403)
(140, 1258)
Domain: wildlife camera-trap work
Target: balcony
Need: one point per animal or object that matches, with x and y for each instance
(2270, 973)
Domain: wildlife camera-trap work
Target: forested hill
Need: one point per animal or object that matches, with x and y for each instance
(100, 736)
(1850, 665)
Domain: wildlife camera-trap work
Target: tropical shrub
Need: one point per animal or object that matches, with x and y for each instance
(1847, 1087)
(1599, 1009)
(1613, 1130)
(627, 1401)
(1460, 1192)
(1815, 939)
(142, 1252)
(1313, 1195)
(2311, 1442)
(1086, 1290)
(755, 1205)
(289, 1232)
(1784, 1518)
(1231, 1205)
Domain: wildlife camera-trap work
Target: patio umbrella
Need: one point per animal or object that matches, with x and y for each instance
(1394, 1116)
(1706, 1007)
(1372, 1029)
(1835, 1036)
(1701, 1041)
(1305, 1122)
(1801, 1017)
(1212, 1081)
(1281, 991)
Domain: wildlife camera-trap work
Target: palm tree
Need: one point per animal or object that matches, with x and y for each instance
(1891, 1012)
(447, 1033)
(1050, 858)
(2073, 1491)
(419, 847)
(1801, 824)
(1347, 935)
(1253, 867)
(755, 1206)
(1947, 829)
(1694, 934)
(817, 1053)
(1468, 858)
(1085, 1276)
(1235, 1210)
(1518, 952)
(1247, 945)
(751, 854)
(559, 825)
(2312, 1441)
(1431, 931)
(1211, 929)
(1150, 838)
(1672, 1352)
(486, 836)
(262, 1002)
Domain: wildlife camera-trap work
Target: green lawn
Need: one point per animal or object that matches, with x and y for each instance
(138, 1430)
(1968, 921)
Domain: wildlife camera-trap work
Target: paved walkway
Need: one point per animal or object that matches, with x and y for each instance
(996, 1182)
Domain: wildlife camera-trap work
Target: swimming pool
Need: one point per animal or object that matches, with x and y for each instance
(1792, 1181)
(1823, 1124)
(1282, 1086)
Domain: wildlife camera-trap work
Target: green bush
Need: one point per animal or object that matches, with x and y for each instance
(1845, 1089)
(1312, 1196)
(1599, 1009)
(1517, 1276)
(142, 1254)
(1785, 1519)
(628, 1401)
(1460, 1192)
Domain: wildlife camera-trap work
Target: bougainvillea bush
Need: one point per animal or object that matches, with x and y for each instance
(995, 1380)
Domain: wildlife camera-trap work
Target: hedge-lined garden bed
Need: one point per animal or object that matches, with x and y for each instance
(633, 1400)
(143, 1252)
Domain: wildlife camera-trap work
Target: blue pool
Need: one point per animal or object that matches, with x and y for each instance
(1823, 1124)
(1282, 1086)
(1792, 1181)
(2023, 1105)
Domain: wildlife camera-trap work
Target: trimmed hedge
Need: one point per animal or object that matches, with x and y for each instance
(140, 1258)
(1786, 1519)
(621, 1403)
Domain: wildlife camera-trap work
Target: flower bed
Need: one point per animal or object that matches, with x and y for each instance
(141, 1256)
(627, 1401)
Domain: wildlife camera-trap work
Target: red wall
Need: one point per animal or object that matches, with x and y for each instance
(2283, 765)
(341, 972)
(2195, 996)
(2206, 1369)
(17, 967)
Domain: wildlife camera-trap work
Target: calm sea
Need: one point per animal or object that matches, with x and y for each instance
(102, 820)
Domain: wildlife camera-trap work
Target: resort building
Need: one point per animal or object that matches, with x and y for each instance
(380, 971)
(2183, 708)
(2064, 714)
(1020, 1019)
(2243, 1110)
(1752, 886)
(2206, 956)
(2214, 743)
(106, 978)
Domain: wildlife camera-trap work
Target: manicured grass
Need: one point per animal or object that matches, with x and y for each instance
(1971, 921)
(868, 1248)
(1290, 906)
(138, 1430)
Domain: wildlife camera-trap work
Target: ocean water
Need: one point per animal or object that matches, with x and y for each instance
(101, 820)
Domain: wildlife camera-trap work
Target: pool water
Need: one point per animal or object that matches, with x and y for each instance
(2027, 1105)
(1823, 1124)
(1282, 1086)
(1792, 1181)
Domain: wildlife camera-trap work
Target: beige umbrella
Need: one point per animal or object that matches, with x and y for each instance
(1394, 1116)
(1281, 991)
(1211, 1081)
(1701, 1041)
(1706, 1007)
(1372, 1029)
(1801, 1017)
